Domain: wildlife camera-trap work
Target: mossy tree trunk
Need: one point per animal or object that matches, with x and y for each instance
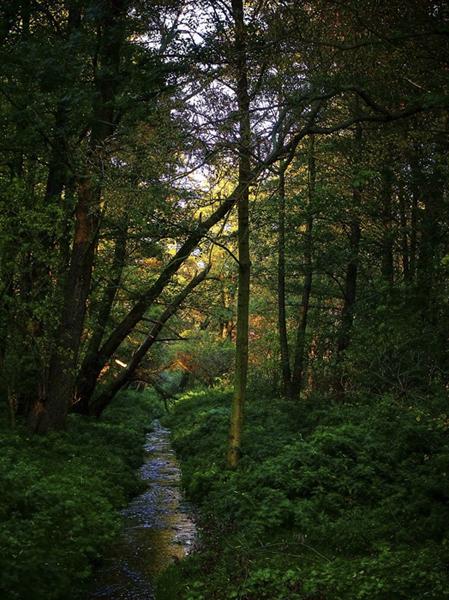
(241, 355)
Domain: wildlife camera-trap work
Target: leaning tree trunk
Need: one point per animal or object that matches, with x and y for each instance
(105, 398)
(241, 354)
(93, 365)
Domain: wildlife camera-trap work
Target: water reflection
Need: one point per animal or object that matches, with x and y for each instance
(158, 527)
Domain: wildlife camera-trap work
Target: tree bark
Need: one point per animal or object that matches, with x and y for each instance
(430, 253)
(299, 359)
(241, 352)
(416, 198)
(387, 239)
(347, 313)
(404, 236)
(282, 313)
(51, 414)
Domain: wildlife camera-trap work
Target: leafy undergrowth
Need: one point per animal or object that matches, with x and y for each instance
(60, 496)
(329, 502)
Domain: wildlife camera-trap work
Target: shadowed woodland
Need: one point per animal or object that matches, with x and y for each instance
(232, 216)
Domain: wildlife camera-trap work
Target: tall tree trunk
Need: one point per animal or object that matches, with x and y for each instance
(62, 370)
(429, 250)
(44, 282)
(282, 313)
(350, 287)
(241, 352)
(415, 188)
(300, 354)
(387, 239)
(105, 398)
(350, 293)
(404, 236)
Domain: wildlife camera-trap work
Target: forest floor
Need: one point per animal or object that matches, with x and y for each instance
(330, 501)
(61, 497)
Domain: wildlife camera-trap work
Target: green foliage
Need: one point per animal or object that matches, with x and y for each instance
(60, 498)
(329, 502)
(208, 359)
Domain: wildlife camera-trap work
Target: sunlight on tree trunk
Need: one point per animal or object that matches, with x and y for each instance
(241, 352)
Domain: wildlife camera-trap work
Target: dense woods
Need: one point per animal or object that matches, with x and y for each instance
(240, 207)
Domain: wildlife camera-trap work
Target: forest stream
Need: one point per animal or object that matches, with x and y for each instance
(158, 528)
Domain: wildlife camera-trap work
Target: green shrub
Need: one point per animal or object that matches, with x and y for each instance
(330, 502)
(60, 498)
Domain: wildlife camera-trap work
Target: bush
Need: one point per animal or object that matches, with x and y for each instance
(60, 498)
(332, 502)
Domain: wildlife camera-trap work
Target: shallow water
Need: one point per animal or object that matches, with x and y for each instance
(158, 529)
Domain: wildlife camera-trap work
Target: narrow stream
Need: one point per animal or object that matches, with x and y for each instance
(158, 529)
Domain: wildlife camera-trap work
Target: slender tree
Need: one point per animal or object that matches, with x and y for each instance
(244, 149)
